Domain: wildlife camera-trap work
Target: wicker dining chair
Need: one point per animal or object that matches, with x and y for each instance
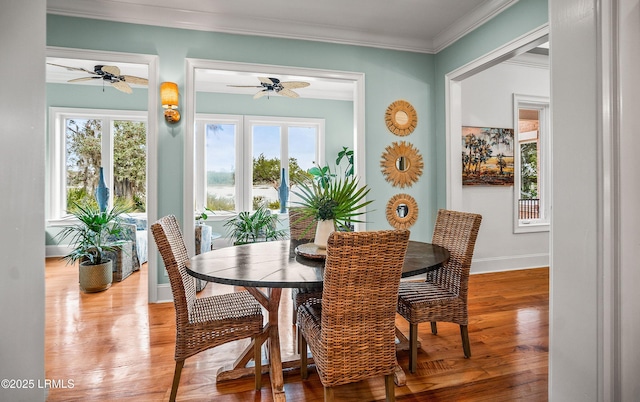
(203, 322)
(301, 228)
(351, 330)
(443, 296)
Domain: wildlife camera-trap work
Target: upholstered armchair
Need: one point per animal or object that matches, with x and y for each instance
(203, 244)
(124, 256)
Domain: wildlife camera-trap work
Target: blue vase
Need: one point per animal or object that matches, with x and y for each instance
(283, 191)
(102, 193)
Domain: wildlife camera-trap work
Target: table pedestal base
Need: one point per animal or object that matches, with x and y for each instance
(240, 369)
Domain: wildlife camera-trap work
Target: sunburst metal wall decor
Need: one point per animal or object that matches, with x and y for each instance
(402, 211)
(401, 118)
(401, 164)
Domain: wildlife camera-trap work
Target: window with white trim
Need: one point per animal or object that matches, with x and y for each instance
(83, 140)
(532, 168)
(239, 159)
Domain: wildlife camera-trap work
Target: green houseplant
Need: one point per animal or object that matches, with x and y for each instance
(91, 238)
(203, 216)
(336, 204)
(250, 227)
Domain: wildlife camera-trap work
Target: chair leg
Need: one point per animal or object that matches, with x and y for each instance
(294, 315)
(328, 394)
(257, 358)
(389, 387)
(434, 328)
(302, 345)
(413, 347)
(176, 380)
(466, 346)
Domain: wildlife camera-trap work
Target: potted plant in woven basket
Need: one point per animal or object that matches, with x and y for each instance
(91, 238)
(335, 204)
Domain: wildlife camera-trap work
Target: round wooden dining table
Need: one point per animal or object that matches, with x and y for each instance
(276, 265)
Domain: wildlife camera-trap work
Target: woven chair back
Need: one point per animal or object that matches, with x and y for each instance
(457, 232)
(360, 292)
(301, 227)
(170, 242)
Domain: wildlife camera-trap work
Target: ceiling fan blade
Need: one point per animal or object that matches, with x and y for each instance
(294, 84)
(113, 70)
(265, 80)
(122, 86)
(260, 94)
(72, 68)
(131, 79)
(245, 86)
(289, 93)
(84, 79)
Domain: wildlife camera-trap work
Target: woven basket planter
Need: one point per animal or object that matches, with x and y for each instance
(95, 278)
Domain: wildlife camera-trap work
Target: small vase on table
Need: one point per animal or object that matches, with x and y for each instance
(323, 230)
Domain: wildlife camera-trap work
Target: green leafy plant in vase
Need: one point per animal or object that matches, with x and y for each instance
(91, 238)
(335, 205)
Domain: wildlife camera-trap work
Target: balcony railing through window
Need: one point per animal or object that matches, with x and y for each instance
(529, 208)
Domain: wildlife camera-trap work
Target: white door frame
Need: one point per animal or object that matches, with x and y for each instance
(453, 104)
(152, 139)
(190, 103)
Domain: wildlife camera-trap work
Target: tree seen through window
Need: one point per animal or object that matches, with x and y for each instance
(84, 157)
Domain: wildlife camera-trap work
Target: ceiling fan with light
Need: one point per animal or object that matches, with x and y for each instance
(110, 74)
(274, 85)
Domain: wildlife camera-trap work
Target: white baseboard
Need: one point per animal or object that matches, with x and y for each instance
(509, 263)
(164, 289)
(57, 250)
(164, 293)
(478, 266)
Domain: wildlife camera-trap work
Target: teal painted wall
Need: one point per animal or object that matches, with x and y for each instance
(389, 76)
(517, 20)
(93, 97)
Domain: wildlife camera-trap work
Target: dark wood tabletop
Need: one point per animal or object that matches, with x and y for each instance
(275, 264)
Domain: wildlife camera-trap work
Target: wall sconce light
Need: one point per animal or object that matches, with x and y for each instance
(169, 99)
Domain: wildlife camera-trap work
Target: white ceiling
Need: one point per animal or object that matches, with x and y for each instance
(425, 26)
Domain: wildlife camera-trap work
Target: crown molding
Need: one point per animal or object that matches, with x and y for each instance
(206, 20)
(231, 24)
(530, 60)
(480, 15)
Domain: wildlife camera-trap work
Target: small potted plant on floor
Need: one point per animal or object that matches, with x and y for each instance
(91, 238)
(247, 227)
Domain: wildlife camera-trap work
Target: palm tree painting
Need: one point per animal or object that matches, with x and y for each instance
(487, 156)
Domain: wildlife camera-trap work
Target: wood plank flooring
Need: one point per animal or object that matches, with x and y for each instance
(117, 347)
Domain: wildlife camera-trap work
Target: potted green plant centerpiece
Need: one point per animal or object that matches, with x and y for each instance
(335, 204)
(91, 238)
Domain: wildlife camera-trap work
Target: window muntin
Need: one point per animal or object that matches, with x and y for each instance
(266, 148)
(83, 150)
(220, 166)
(82, 141)
(130, 163)
(261, 144)
(531, 164)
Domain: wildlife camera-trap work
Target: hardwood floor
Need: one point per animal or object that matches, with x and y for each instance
(117, 347)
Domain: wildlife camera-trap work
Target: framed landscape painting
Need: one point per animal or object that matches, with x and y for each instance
(487, 156)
